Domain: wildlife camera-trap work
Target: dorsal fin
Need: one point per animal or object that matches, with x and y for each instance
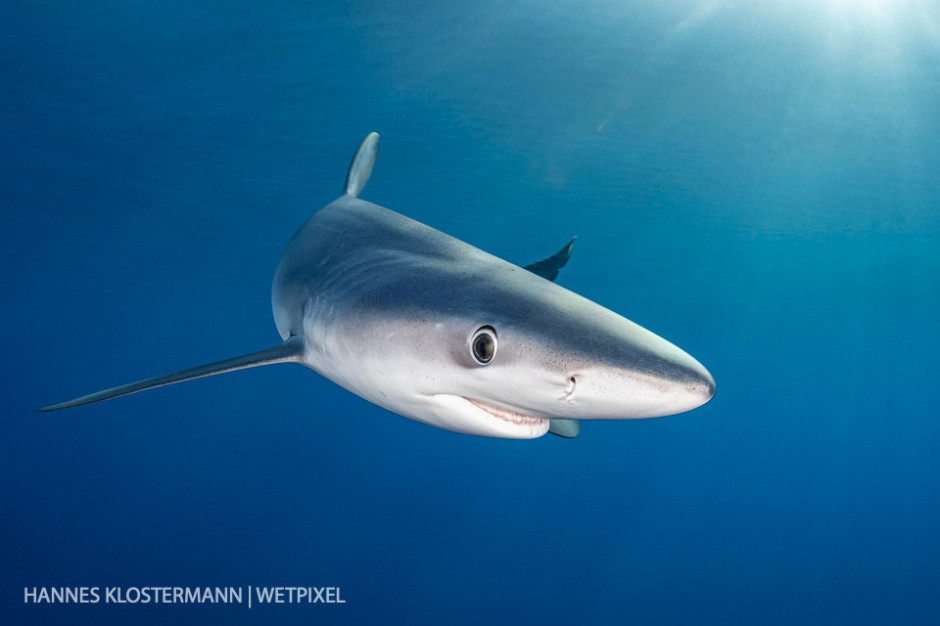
(291, 351)
(361, 167)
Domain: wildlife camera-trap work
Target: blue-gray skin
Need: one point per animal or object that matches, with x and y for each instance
(438, 331)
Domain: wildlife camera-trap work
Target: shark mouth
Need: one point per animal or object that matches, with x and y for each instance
(469, 415)
(507, 415)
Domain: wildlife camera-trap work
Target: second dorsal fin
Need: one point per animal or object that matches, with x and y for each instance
(361, 167)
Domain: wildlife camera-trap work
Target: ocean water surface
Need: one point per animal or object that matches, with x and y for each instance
(756, 182)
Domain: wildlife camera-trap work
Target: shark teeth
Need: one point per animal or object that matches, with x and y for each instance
(505, 414)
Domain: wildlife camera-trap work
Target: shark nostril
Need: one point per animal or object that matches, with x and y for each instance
(572, 383)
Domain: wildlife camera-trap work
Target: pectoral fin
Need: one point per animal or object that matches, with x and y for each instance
(291, 351)
(565, 428)
(548, 268)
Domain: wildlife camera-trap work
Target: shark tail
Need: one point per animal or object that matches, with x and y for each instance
(291, 351)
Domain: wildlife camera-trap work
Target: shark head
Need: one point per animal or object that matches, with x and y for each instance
(465, 341)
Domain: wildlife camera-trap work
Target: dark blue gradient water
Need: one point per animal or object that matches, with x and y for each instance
(756, 183)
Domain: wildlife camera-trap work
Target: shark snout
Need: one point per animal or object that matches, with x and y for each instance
(699, 386)
(706, 386)
(652, 385)
(683, 383)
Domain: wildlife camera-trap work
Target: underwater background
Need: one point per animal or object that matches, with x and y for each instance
(758, 183)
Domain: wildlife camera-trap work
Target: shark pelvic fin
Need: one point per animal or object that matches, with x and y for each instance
(361, 167)
(291, 351)
(548, 268)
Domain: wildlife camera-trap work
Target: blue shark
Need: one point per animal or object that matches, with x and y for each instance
(436, 330)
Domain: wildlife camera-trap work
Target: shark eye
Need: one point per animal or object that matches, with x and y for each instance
(483, 345)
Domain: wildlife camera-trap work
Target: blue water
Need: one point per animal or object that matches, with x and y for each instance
(757, 184)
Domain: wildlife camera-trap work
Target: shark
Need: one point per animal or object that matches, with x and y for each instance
(439, 331)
